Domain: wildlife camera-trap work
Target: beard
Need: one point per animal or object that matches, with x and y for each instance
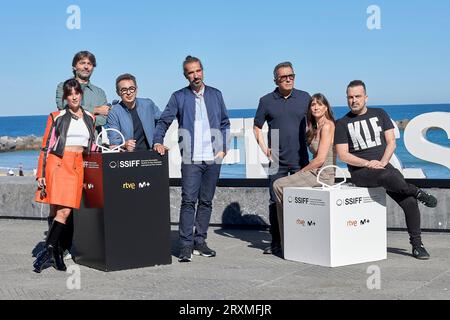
(83, 75)
(196, 84)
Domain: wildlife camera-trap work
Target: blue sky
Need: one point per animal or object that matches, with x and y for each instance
(405, 62)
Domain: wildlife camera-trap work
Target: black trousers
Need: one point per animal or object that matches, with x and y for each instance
(398, 189)
(273, 217)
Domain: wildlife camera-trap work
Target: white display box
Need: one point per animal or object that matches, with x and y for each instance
(334, 226)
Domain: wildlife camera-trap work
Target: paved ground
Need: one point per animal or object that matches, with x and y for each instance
(239, 272)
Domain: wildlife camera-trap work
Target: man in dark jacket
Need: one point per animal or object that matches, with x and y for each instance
(203, 133)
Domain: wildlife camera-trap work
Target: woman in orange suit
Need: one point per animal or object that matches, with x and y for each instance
(69, 133)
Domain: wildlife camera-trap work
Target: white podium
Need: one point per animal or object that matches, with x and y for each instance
(334, 226)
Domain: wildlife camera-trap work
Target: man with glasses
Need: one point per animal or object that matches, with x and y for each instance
(134, 117)
(94, 98)
(285, 110)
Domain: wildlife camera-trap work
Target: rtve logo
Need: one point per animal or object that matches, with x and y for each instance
(355, 223)
(349, 201)
(132, 185)
(129, 185)
(305, 223)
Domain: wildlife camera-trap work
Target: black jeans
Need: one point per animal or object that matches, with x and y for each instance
(273, 217)
(398, 189)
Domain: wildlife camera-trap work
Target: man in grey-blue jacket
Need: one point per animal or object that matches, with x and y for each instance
(203, 139)
(134, 117)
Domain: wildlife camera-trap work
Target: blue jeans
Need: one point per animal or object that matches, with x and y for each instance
(198, 184)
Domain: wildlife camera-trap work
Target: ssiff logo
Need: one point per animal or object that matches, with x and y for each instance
(298, 200)
(125, 164)
(129, 163)
(113, 164)
(349, 201)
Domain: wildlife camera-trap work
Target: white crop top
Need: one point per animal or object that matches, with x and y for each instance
(77, 134)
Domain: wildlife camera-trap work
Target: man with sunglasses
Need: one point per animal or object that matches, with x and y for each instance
(134, 117)
(285, 110)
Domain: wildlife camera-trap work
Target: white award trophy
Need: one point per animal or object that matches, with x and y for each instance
(105, 140)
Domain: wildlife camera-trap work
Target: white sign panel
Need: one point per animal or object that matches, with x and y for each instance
(335, 227)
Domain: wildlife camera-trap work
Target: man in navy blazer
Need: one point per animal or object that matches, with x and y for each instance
(134, 117)
(203, 139)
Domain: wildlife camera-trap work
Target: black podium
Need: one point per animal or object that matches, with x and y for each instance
(124, 218)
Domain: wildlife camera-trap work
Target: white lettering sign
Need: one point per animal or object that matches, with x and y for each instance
(416, 140)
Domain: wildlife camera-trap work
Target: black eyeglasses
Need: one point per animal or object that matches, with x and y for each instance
(126, 90)
(288, 76)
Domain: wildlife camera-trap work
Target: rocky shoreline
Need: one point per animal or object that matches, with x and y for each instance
(8, 144)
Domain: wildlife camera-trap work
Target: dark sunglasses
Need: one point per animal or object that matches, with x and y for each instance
(284, 78)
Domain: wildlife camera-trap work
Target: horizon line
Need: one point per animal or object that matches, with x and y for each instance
(240, 108)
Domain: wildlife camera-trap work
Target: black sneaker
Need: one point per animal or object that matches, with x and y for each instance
(426, 198)
(419, 252)
(185, 254)
(274, 248)
(203, 250)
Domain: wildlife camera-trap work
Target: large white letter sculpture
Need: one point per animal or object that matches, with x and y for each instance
(416, 140)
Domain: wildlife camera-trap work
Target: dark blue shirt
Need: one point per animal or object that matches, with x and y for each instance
(289, 117)
(138, 134)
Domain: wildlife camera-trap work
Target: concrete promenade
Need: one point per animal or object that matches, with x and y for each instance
(239, 272)
(231, 205)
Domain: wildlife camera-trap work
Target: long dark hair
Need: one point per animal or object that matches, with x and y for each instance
(312, 124)
(68, 86)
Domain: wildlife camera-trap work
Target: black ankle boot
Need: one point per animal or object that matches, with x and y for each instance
(58, 258)
(42, 258)
(51, 249)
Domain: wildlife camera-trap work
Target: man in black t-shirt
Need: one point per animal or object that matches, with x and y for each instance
(285, 110)
(365, 140)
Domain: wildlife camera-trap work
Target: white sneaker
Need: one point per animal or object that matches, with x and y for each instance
(67, 255)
